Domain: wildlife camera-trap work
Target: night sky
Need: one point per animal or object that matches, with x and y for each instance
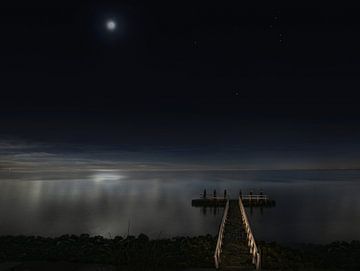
(179, 85)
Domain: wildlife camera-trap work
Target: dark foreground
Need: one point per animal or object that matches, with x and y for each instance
(140, 253)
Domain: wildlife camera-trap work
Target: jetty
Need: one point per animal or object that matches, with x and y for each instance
(236, 247)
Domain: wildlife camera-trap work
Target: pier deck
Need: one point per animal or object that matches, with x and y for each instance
(247, 200)
(236, 248)
(235, 253)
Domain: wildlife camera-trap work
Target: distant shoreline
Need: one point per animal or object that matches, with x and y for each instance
(161, 170)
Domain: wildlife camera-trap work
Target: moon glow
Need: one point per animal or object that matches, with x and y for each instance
(111, 25)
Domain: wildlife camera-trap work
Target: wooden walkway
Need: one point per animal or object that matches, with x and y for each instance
(236, 248)
(235, 252)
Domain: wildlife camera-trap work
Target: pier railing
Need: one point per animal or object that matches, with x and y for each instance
(213, 197)
(255, 253)
(219, 243)
(255, 197)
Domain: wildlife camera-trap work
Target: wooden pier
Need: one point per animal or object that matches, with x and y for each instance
(252, 200)
(236, 248)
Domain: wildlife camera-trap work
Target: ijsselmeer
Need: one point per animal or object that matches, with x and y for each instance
(179, 135)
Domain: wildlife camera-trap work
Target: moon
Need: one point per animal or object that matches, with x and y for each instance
(111, 25)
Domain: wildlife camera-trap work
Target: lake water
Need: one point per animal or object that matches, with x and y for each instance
(311, 206)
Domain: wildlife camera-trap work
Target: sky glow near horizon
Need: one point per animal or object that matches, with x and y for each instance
(24, 156)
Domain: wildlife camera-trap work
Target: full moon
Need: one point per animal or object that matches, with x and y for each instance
(111, 25)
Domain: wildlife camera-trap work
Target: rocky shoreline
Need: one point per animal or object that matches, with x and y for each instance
(137, 253)
(142, 253)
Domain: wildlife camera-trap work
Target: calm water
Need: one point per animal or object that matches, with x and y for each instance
(312, 206)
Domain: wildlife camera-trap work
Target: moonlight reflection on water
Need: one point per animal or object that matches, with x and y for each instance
(106, 175)
(312, 206)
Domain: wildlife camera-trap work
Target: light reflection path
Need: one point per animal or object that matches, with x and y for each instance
(312, 206)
